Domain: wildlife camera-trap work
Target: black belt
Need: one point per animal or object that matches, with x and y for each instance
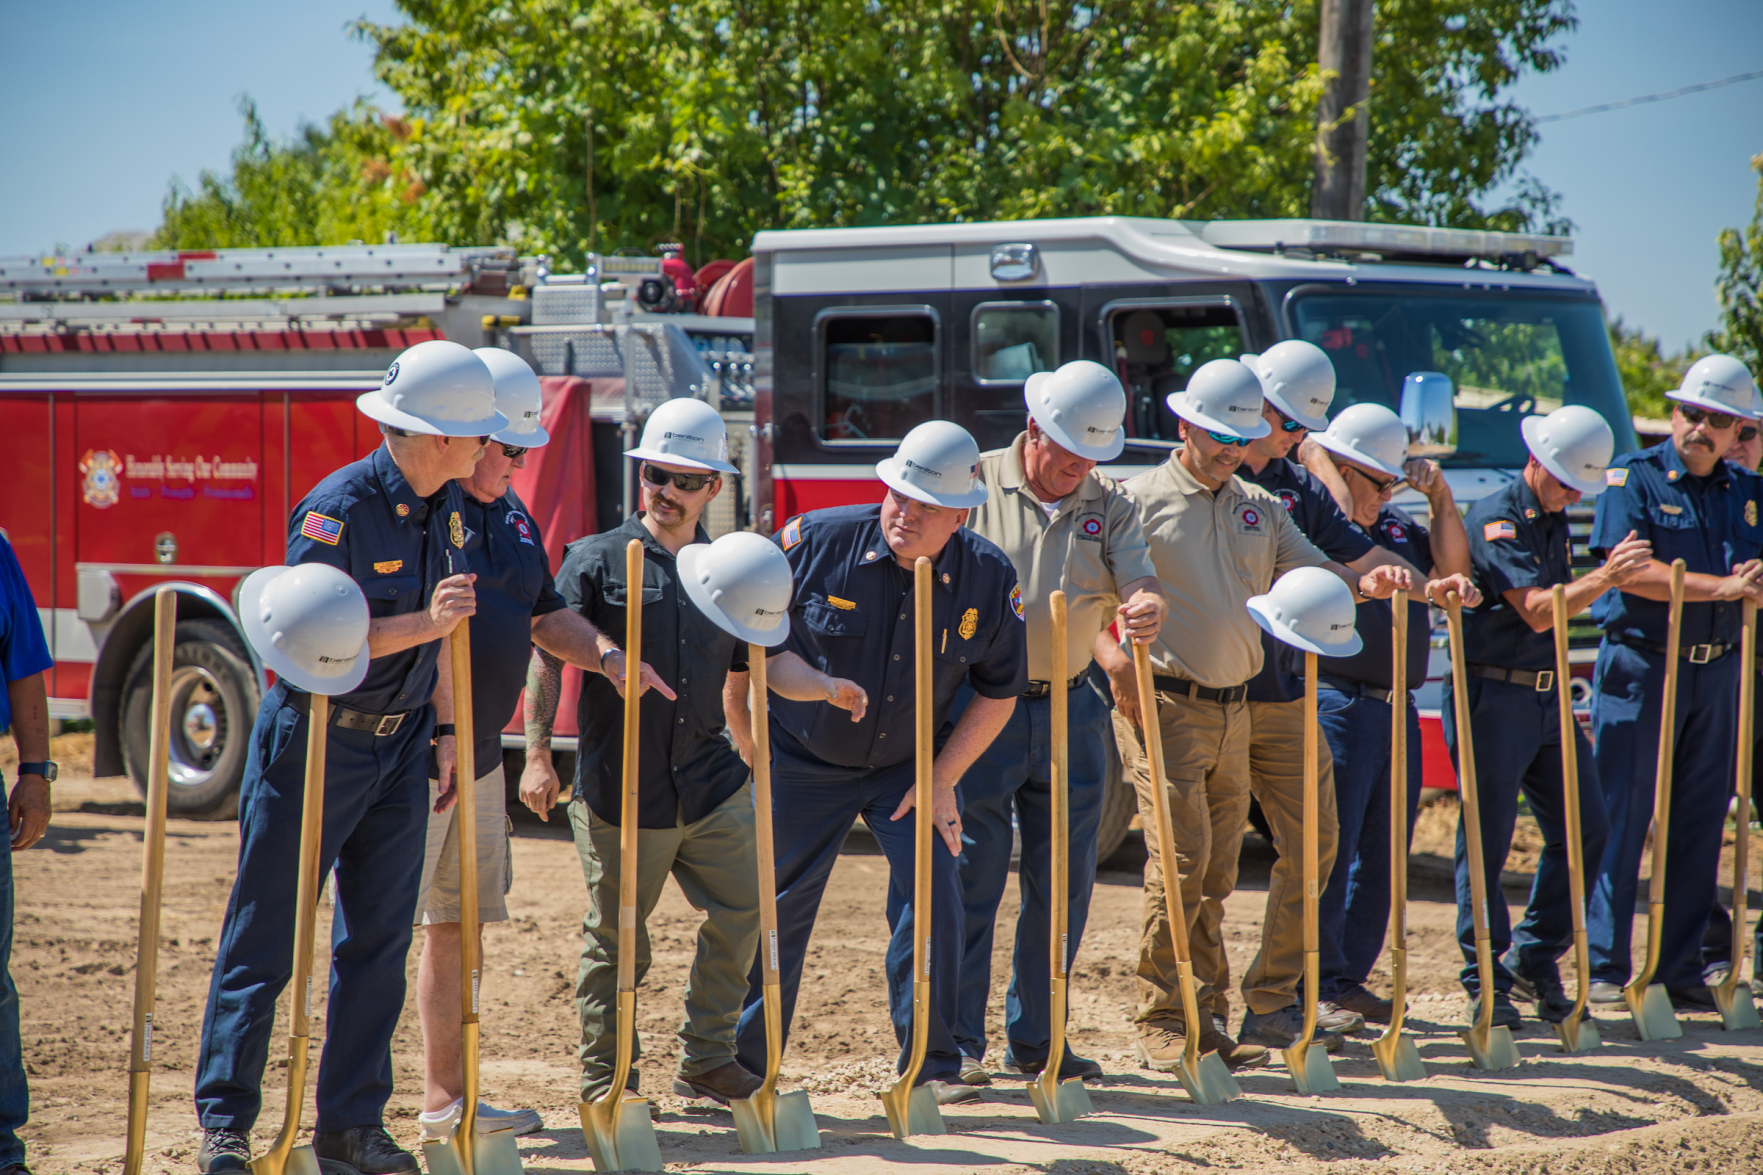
(1182, 687)
(1541, 680)
(379, 725)
(1040, 689)
(1694, 654)
(1348, 686)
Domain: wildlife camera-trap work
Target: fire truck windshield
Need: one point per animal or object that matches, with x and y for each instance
(1510, 355)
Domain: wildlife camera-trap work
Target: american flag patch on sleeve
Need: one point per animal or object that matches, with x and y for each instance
(1498, 530)
(792, 532)
(322, 527)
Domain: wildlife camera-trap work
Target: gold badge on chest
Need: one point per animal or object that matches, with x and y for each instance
(969, 624)
(456, 530)
(1751, 512)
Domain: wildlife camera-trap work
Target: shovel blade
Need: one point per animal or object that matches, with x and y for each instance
(1653, 1017)
(497, 1153)
(1207, 1081)
(1397, 1058)
(1737, 1010)
(1495, 1050)
(1068, 1101)
(749, 1127)
(300, 1160)
(1579, 1035)
(793, 1127)
(913, 1111)
(1310, 1069)
(441, 1156)
(630, 1143)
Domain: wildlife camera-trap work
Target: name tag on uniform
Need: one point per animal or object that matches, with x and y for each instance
(842, 605)
(389, 566)
(1671, 509)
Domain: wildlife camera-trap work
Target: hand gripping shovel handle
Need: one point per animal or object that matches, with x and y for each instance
(1572, 1029)
(165, 619)
(1653, 1016)
(281, 1155)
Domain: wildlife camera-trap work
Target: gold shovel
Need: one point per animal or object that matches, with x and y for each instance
(1647, 1001)
(283, 1157)
(1578, 1033)
(1055, 1100)
(1397, 1058)
(468, 1152)
(165, 621)
(1205, 1077)
(617, 1129)
(1309, 1066)
(1732, 998)
(912, 1109)
(769, 1121)
(1490, 1045)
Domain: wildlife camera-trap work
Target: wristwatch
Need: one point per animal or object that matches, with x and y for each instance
(443, 730)
(49, 771)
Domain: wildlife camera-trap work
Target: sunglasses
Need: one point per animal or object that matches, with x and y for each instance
(515, 452)
(1287, 424)
(1718, 421)
(691, 483)
(1225, 438)
(1382, 487)
(1748, 433)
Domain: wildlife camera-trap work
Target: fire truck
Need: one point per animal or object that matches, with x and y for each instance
(139, 380)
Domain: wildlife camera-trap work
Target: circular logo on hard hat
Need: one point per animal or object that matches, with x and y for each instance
(101, 478)
(391, 374)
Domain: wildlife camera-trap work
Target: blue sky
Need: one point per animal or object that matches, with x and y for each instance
(107, 101)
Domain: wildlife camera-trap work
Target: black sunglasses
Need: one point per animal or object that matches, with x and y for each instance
(1748, 433)
(1718, 421)
(691, 483)
(1382, 487)
(514, 452)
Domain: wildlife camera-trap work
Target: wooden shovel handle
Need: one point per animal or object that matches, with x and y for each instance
(1165, 833)
(627, 818)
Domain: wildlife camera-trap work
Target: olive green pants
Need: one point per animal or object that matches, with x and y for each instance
(715, 864)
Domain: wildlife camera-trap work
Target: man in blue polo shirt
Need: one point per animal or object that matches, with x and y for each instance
(1689, 504)
(1519, 546)
(391, 522)
(853, 618)
(24, 708)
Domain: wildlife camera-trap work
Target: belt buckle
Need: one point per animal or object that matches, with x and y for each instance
(387, 725)
(1545, 681)
(1701, 654)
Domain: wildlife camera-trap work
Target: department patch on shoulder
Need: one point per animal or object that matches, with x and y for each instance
(1016, 600)
(322, 528)
(1616, 477)
(1498, 530)
(792, 532)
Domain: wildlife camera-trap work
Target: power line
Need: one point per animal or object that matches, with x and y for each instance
(1696, 89)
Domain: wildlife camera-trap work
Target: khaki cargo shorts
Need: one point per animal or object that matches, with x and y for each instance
(439, 899)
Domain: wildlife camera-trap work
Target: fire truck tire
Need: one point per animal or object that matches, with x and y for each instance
(214, 702)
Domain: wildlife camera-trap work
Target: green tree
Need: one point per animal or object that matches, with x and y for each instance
(1647, 372)
(1741, 288)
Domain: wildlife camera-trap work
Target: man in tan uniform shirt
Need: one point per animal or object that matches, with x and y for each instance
(1065, 528)
(1215, 540)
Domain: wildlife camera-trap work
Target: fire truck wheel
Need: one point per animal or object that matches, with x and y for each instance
(213, 703)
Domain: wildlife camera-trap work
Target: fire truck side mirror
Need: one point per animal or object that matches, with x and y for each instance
(1429, 410)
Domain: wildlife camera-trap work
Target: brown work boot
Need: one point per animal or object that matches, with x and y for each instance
(725, 1083)
(1357, 1000)
(1159, 1047)
(1235, 1056)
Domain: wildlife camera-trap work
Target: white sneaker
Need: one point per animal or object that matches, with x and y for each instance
(438, 1125)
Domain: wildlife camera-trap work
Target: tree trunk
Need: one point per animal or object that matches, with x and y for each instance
(1342, 120)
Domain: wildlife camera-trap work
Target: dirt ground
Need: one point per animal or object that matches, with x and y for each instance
(1694, 1104)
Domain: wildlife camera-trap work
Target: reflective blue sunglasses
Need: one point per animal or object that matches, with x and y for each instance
(1225, 438)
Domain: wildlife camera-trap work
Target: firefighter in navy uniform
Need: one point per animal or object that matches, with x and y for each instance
(1518, 546)
(1682, 498)
(391, 522)
(853, 617)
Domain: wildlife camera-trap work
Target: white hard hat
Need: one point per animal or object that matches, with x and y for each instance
(1573, 443)
(1223, 396)
(1310, 608)
(518, 397)
(1719, 383)
(938, 464)
(309, 624)
(741, 581)
(1368, 434)
(688, 432)
(1082, 407)
(439, 388)
(1297, 378)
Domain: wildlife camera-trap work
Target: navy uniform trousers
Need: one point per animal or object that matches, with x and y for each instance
(1012, 776)
(813, 805)
(1628, 689)
(1518, 747)
(375, 829)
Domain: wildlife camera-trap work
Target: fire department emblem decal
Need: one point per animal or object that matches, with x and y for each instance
(101, 478)
(1091, 526)
(403, 510)
(1289, 500)
(969, 624)
(518, 521)
(391, 374)
(1251, 517)
(1395, 531)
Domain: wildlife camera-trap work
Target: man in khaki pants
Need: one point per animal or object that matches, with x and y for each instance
(1215, 541)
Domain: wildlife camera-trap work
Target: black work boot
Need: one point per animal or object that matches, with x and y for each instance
(361, 1150)
(223, 1151)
